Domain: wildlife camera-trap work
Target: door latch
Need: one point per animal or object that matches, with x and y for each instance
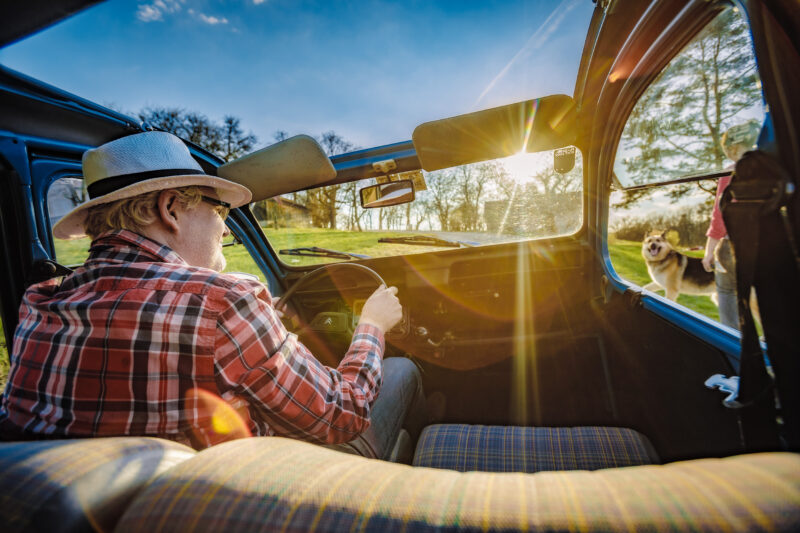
(729, 385)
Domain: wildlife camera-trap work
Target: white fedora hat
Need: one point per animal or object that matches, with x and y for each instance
(137, 164)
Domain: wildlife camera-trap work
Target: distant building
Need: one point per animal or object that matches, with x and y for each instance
(281, 212)
(535, 215)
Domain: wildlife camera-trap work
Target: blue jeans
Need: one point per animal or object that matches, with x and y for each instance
(726, 285)
(400, 405)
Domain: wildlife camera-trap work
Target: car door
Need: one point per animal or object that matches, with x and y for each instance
(665, 349)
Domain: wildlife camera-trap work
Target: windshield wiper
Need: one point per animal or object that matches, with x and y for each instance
(234, 242)
(313, 251)
(425, 240)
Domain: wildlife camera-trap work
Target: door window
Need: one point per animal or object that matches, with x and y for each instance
(702, 112)
(64, 195)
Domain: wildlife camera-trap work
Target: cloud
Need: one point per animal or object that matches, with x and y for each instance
(258, 2)
(148, 14)
(212, 20)
(208, 19)
(155, 11)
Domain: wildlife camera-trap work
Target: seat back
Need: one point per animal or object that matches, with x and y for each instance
(78, 485)
(466, 447)
(275, 484)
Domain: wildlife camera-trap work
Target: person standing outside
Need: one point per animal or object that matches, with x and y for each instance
(719, 254)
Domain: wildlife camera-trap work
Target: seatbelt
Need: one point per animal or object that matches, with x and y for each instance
(45, 269)
(758, 189)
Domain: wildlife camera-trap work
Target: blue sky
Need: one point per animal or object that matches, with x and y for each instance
(369, 70)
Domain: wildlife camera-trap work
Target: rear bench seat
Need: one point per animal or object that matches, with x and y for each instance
(78, 485)
(276, 484)
(465, 448)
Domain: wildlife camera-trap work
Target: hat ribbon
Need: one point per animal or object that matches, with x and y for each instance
(111, 184)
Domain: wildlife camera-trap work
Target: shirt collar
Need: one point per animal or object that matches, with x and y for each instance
(124, 241)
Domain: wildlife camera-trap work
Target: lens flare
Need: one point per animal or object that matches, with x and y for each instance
(520, 166)
(220, 421)
(524, 379)
(504, 220)
(529, 123)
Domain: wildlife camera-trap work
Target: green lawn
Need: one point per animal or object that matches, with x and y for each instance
(625, 256)
(72, 252)
(359, 242)
(366, 242)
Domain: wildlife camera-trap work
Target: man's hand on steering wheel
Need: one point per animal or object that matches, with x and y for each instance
(382, 309)
(289, 318)
(384, 312)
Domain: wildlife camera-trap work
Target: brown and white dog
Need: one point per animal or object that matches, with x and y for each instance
(673, 271)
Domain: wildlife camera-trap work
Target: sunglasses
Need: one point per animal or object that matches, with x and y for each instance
(222, 208)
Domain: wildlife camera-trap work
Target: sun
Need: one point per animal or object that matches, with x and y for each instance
(522, 166)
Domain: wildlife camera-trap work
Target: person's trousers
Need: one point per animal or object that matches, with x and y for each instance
(726, 284)
(400, 405)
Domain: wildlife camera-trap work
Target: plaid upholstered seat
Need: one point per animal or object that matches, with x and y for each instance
(465, 447)
(78, 485)
(275, 484)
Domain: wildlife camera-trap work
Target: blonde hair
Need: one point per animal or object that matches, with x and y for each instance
(133, 213)
(742, 136)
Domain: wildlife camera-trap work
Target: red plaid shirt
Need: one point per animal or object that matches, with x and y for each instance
(123, 344)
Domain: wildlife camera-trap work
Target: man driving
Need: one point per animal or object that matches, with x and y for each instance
(148, 337)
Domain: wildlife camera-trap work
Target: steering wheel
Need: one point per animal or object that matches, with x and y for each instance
(317, 341)
(326, 269)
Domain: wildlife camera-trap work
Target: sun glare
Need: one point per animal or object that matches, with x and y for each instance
(522, 166)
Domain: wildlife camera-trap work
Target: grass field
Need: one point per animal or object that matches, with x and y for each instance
(625, 256)
(366, 242)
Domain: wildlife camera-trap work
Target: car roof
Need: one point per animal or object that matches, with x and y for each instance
(21, 19)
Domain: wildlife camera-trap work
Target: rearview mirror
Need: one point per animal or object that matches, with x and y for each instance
(564, 159)
(386, 194)
(532, 126)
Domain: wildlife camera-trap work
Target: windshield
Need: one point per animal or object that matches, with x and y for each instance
(368, 71)
(510, 199)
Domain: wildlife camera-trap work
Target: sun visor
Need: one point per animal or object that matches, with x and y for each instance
(533, 126)
(291, 165)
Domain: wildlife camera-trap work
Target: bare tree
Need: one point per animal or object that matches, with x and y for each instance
(74, 193)
(442, 189)
(549, 182)
(472, 181)
(324, 201)
(679, 121)
(226, 140)
(235, 143)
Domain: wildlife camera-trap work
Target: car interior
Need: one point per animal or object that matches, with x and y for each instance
(566, 396)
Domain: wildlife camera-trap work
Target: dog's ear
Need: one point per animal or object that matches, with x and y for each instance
(664, 234)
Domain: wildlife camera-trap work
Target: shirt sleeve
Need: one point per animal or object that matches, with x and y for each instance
(716, 229)
(289, 392)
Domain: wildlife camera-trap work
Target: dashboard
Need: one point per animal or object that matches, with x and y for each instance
(460, 314)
